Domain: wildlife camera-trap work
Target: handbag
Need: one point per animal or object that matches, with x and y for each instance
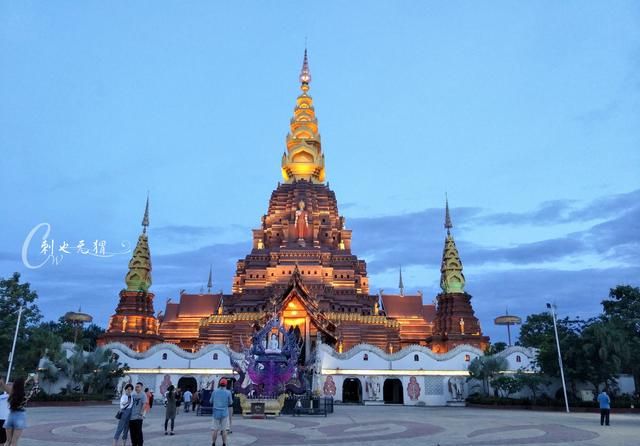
(119, 414)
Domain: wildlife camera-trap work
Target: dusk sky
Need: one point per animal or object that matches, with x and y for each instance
(525, 113)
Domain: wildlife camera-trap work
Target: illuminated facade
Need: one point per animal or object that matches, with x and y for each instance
(301, 268)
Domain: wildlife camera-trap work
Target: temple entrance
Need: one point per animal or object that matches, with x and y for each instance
(352, 391)
(188, 382)
(392, 391)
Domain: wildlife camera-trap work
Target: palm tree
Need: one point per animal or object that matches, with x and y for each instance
(484, 368)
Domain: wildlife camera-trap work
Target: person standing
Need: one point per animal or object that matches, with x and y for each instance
(605, 407)
(126, 403)
(149, 404)
(16, 421)
(170, 411)
(4, 413)
(220, 402)
(137, 415)
(186, 396)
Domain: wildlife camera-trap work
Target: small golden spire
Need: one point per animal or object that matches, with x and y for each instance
(303, 158)
(139, 276)
(451, 276)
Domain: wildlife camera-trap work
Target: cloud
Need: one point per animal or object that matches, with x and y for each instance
(387, 242)
(412, 239)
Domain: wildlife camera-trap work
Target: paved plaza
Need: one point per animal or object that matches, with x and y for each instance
(349, 425)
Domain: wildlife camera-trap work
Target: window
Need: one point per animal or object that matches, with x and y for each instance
(467, 358)
(416, 358)
(518, 358)
(164, 356)
(215, 356)
(365, 357)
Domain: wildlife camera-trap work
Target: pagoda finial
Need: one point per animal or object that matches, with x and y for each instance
(305, 74)
(451, 276)
(139, 276)
(303, 158)
(447, 216)
(210, 281)
(400, 283)
(145, 219)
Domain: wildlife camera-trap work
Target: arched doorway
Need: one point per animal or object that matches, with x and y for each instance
(392, 391)
(188, 382)
(351, 391)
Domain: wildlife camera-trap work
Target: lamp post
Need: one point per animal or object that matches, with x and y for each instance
(15, 338)
(555, 329)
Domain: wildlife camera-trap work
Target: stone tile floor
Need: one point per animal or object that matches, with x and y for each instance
(349, 425)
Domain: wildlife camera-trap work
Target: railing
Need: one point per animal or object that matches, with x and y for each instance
(307, 405)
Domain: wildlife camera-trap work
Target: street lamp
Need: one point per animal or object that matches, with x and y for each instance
(15, 338)
(555, 329)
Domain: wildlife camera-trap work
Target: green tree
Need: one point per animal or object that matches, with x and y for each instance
(13, 294)
(88, 372)
(623, 309)
(495, 348)
(605, 350)
(537, 332)
(485, 368)
(532, 381)
(506, 385)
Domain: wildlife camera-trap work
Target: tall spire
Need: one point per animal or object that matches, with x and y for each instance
(305, 74)
(303, 158)
(400, 283)
(447, 217)
(139, 276)
(210, 282)
(451, 276)
(145, 219)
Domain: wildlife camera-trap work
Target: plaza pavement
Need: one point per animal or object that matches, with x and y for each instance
(349, 425)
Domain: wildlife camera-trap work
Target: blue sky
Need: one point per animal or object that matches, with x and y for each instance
(526, 114)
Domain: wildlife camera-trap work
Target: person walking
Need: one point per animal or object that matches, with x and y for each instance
(170, 411)
(16, 421)
(137, 415)
(126, 403)
(220, 402)
(4, 413)
(195, 399)
(186, 397)
(605, 407)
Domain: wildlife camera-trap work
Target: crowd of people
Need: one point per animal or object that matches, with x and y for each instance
(135, 403)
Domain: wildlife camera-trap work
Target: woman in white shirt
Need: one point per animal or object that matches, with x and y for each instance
(126, 402)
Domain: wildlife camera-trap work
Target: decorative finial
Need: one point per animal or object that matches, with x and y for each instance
(145, 219)
(210, 282)
(400, 283)
(447, 217)
(305, 74)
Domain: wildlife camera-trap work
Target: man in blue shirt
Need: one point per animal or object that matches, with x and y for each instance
(220, 402)
(605, 407)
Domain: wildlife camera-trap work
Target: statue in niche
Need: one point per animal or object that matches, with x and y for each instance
(462, 325)
(301, 222)
(329, 386)
(372, 385)
(456, 388)
(413, 389)
(274, 345)
(124, 323)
